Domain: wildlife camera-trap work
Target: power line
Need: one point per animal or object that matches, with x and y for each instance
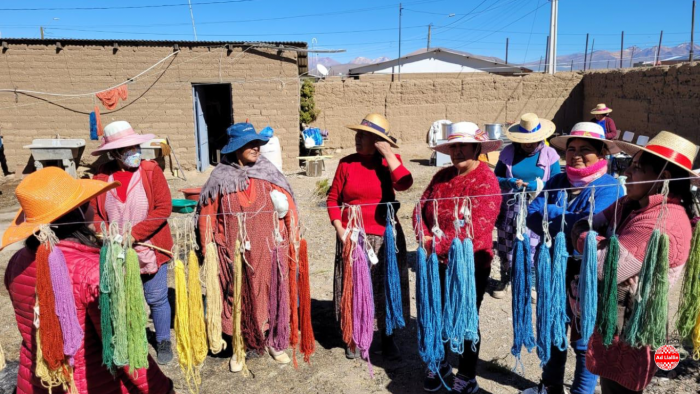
(132, 7)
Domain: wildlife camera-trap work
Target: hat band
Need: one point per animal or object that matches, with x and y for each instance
(116, 136)
(584, 133)
(524, 130)
(671, 155)
(375, 126)
(480, 136)
(602, 109)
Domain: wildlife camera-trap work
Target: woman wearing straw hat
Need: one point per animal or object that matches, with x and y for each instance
(144, 201)
(523, 165)
(370, 179)
(466, 177)
(586, 168)
(623, 368)
(602, 116)
(55, 209)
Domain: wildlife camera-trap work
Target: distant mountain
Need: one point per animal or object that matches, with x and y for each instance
(337, 68)
(364, 60)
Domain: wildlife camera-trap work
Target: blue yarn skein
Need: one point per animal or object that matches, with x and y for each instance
(559, 316)
(429, 320)
(588, 285)
(522, 308)
(544, 303)
(454, 311)
(436, 351)
(392, 285)
(472, 315)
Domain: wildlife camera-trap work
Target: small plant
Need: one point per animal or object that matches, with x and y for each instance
(322, 188)
(307, 111)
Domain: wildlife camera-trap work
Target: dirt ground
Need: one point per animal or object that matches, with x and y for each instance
(329, 371)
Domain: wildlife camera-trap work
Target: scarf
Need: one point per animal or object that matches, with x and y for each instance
(581, 177)
(229, 177)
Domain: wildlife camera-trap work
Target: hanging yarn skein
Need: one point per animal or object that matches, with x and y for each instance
(135, 309)
(294, 301)
(346, 299)
(278, 336)
(213, 289)
(182, 324)
(392, 286)
(559, 262)
(607, 312)
(634, 324)
(544, 307)
(689, 305)
(237, 342)
(588, 278)
(308, 342)
(106, 283)
(363, 295)
(472, 313)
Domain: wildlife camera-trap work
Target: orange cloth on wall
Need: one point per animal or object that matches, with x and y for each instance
(110, 98)
(98, 121)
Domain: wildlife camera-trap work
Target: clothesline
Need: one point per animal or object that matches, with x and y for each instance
(456, 198)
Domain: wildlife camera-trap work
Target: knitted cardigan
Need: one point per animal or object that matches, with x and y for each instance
(447, 183)
(630, 367)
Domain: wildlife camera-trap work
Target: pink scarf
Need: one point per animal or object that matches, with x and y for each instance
(581, 177)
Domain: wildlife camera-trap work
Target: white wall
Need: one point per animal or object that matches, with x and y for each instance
(436, 62)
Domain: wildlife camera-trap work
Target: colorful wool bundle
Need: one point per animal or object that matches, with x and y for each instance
(214, 300)
(588, 285)
(522, 278)
(472, 313)
(346, 296)
(392, 286)
(182, 325)
(363, 301)
(61, 377)
(106, 280)
(696, 339)
(198, 333)
(308, 342)
(118, 300)
(135, 313)
(689, 305)
(607, 315)
(278, 337)
(50, 333)
(293, 298)
(544, 308)
(65, 304)
(559, 262)
(237, 342)
(653, 332)
(632, 334)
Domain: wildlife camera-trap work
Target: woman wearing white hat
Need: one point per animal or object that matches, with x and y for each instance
(466, 177)
(623, 368)
(522, 165)
(144, 201)
(586, 168)
(601, 115)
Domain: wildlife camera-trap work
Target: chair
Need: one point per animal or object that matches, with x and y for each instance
(628, 136)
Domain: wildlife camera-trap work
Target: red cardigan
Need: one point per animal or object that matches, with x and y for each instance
(366, 180)
(90, 375)
(445, 184)
(160, 205)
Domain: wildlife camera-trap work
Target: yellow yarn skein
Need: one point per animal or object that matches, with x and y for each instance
(214, 301)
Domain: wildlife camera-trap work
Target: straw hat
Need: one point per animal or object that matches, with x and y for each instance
(120, 134)
(668, 146)
(377, 125)
(468, 133)
(588, 131)
(601, 109)
(530, 129)
(45, 196)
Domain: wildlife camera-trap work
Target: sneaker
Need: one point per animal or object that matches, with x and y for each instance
(280, 357)
(463, 384)
(350, 354)
(533, 296)
(500, 290)
(390, 351)
(164, 352)
(234, 365)
(433, 382)
(541, 389)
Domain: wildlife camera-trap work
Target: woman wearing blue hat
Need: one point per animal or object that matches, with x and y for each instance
(248, 200)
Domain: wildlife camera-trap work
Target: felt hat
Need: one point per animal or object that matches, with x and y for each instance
(47, 195)
(601, 109)
(239, 134)
(377, 125)
(585, 130)
(671, 147)
(530, 129)
(120, 134)
(467, 133)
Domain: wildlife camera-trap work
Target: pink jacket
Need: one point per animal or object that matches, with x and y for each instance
(90, 375)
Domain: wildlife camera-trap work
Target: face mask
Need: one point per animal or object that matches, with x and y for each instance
(131, 158)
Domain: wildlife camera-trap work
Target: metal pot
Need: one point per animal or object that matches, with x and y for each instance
(494, 130)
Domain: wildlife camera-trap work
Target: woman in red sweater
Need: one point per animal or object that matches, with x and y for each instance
(622, 368)
(369, 178)
(144, 200)
(467, 177)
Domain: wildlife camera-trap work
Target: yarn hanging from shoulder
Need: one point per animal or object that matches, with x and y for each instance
(588, 285)
(430, 318)
(363, 301)
(689, 304)
(278, 336)
(607, 313)
(51, 337)
(135, 313)
(61, 377)
(118, 301)
(293, 300)
(695, 337)
(392, 285)
(198, 333)
(106, 283)
(653, 332)
(454, 316)
(214, 300)
(308, 342)
(544, 307)
(635, 323)
(65, 304)
(237, 342)
(182, 325)
(522, 306)
(472, 313)
(346, 300)
(252, 334)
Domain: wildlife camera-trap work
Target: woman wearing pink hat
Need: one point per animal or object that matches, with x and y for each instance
(144, 201)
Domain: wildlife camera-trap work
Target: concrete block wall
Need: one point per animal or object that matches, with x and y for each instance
(265, 89)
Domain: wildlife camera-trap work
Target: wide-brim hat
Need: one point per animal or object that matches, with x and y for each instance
(585, 130)
(601, 109)
(670, 147)
(239, 135)
(118, 135)
(531, 129)
(47, 195)
(467, 133)
(376, 124)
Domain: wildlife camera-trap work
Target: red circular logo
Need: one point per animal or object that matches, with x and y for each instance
(667, 357)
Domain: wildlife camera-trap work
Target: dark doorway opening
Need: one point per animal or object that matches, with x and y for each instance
(213, 114)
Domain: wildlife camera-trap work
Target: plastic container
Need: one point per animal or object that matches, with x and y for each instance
(192, 193)
(183, 206)
(273, 152)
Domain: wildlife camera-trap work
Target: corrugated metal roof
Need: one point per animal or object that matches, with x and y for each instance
(101, 41)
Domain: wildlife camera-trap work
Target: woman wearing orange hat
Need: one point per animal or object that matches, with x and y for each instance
(53, 216)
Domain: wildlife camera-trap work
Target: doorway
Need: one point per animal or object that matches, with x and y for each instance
(213, 114)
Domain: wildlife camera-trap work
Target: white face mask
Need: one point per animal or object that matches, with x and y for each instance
(131, 158)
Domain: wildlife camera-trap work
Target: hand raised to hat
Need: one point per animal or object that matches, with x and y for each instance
(384, 149)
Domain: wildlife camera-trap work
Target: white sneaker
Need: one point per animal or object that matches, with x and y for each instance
(279, 357)
(234, 365)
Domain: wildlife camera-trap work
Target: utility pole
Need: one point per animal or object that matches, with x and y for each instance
(194, 29)
(399, 59)
(608, 65)
(622, 46)
(506, 50)
(552, 41)
(692, 33)
(41, 29)
(590, 59)
(585, 54)
(428, 47)
(539, 66)
(658, 50)
(632, 57)
(572, 65)
(546, 57)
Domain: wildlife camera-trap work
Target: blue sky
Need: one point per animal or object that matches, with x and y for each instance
(366, 28)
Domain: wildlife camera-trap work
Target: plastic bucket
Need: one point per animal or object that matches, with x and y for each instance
(192, 194)
(494, 130)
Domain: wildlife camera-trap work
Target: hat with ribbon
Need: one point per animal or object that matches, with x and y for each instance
(239, 134)
(47, 195)
(376, 124)
(585, 130)
(120, 134)
(468, 133)
(669, 146)
(601, 109)
(531, 129)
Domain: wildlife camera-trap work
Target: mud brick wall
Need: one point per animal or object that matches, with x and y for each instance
(265, 90)
(412, 105)
(646, 101)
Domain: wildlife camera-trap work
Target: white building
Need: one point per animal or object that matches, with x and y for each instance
(439, 60)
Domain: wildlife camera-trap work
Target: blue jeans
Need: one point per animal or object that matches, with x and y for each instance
(553, 371)
(155, 289)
